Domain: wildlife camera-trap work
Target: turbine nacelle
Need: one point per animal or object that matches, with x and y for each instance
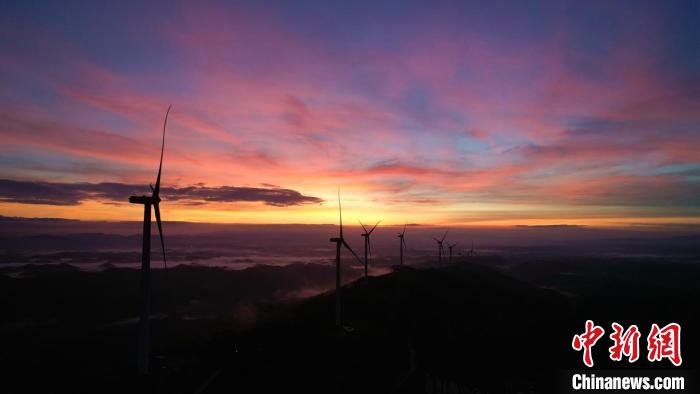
(401, 234)
(441, 240)
(143, 200)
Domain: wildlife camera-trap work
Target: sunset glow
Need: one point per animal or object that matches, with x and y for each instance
(439, 114)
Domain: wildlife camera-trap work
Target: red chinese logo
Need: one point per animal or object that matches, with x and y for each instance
(661, 343)
(665, 343)
(626, 343)
(586, 341)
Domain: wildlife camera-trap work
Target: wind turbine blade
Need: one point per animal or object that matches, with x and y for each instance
(156, 208)
(340, 211)
(404, 229)
(363, 226)
(156, 190)
(436, 240)
(353, 252)
(443, 237)
(375, 226)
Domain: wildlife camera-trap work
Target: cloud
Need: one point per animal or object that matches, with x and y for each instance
(48, 193)
(556, 226)
(12, 219)
(271, 196)
(478, 134)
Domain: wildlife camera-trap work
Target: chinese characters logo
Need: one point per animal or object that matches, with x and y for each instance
(662, 343)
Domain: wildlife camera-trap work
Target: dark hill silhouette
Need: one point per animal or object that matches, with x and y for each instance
(466, 325)
(471, 326)
(463, 328)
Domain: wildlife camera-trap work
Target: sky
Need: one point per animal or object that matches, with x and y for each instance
(443, 112)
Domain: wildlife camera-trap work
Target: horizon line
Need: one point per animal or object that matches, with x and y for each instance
(536, 224)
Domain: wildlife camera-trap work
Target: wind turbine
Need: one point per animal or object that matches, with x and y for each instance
(368, 246)
(471, 251)
(149, 201)
(339, 243)
(402, 244)
(441, 249)
(450, 246)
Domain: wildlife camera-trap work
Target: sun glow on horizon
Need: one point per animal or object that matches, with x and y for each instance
(327, 213)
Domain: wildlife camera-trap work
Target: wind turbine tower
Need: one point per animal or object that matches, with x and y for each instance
(368, 246)
(441, 249)
(472, 252)
(450, 247)
(402, 244)
(148, 201)
(339, 243)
